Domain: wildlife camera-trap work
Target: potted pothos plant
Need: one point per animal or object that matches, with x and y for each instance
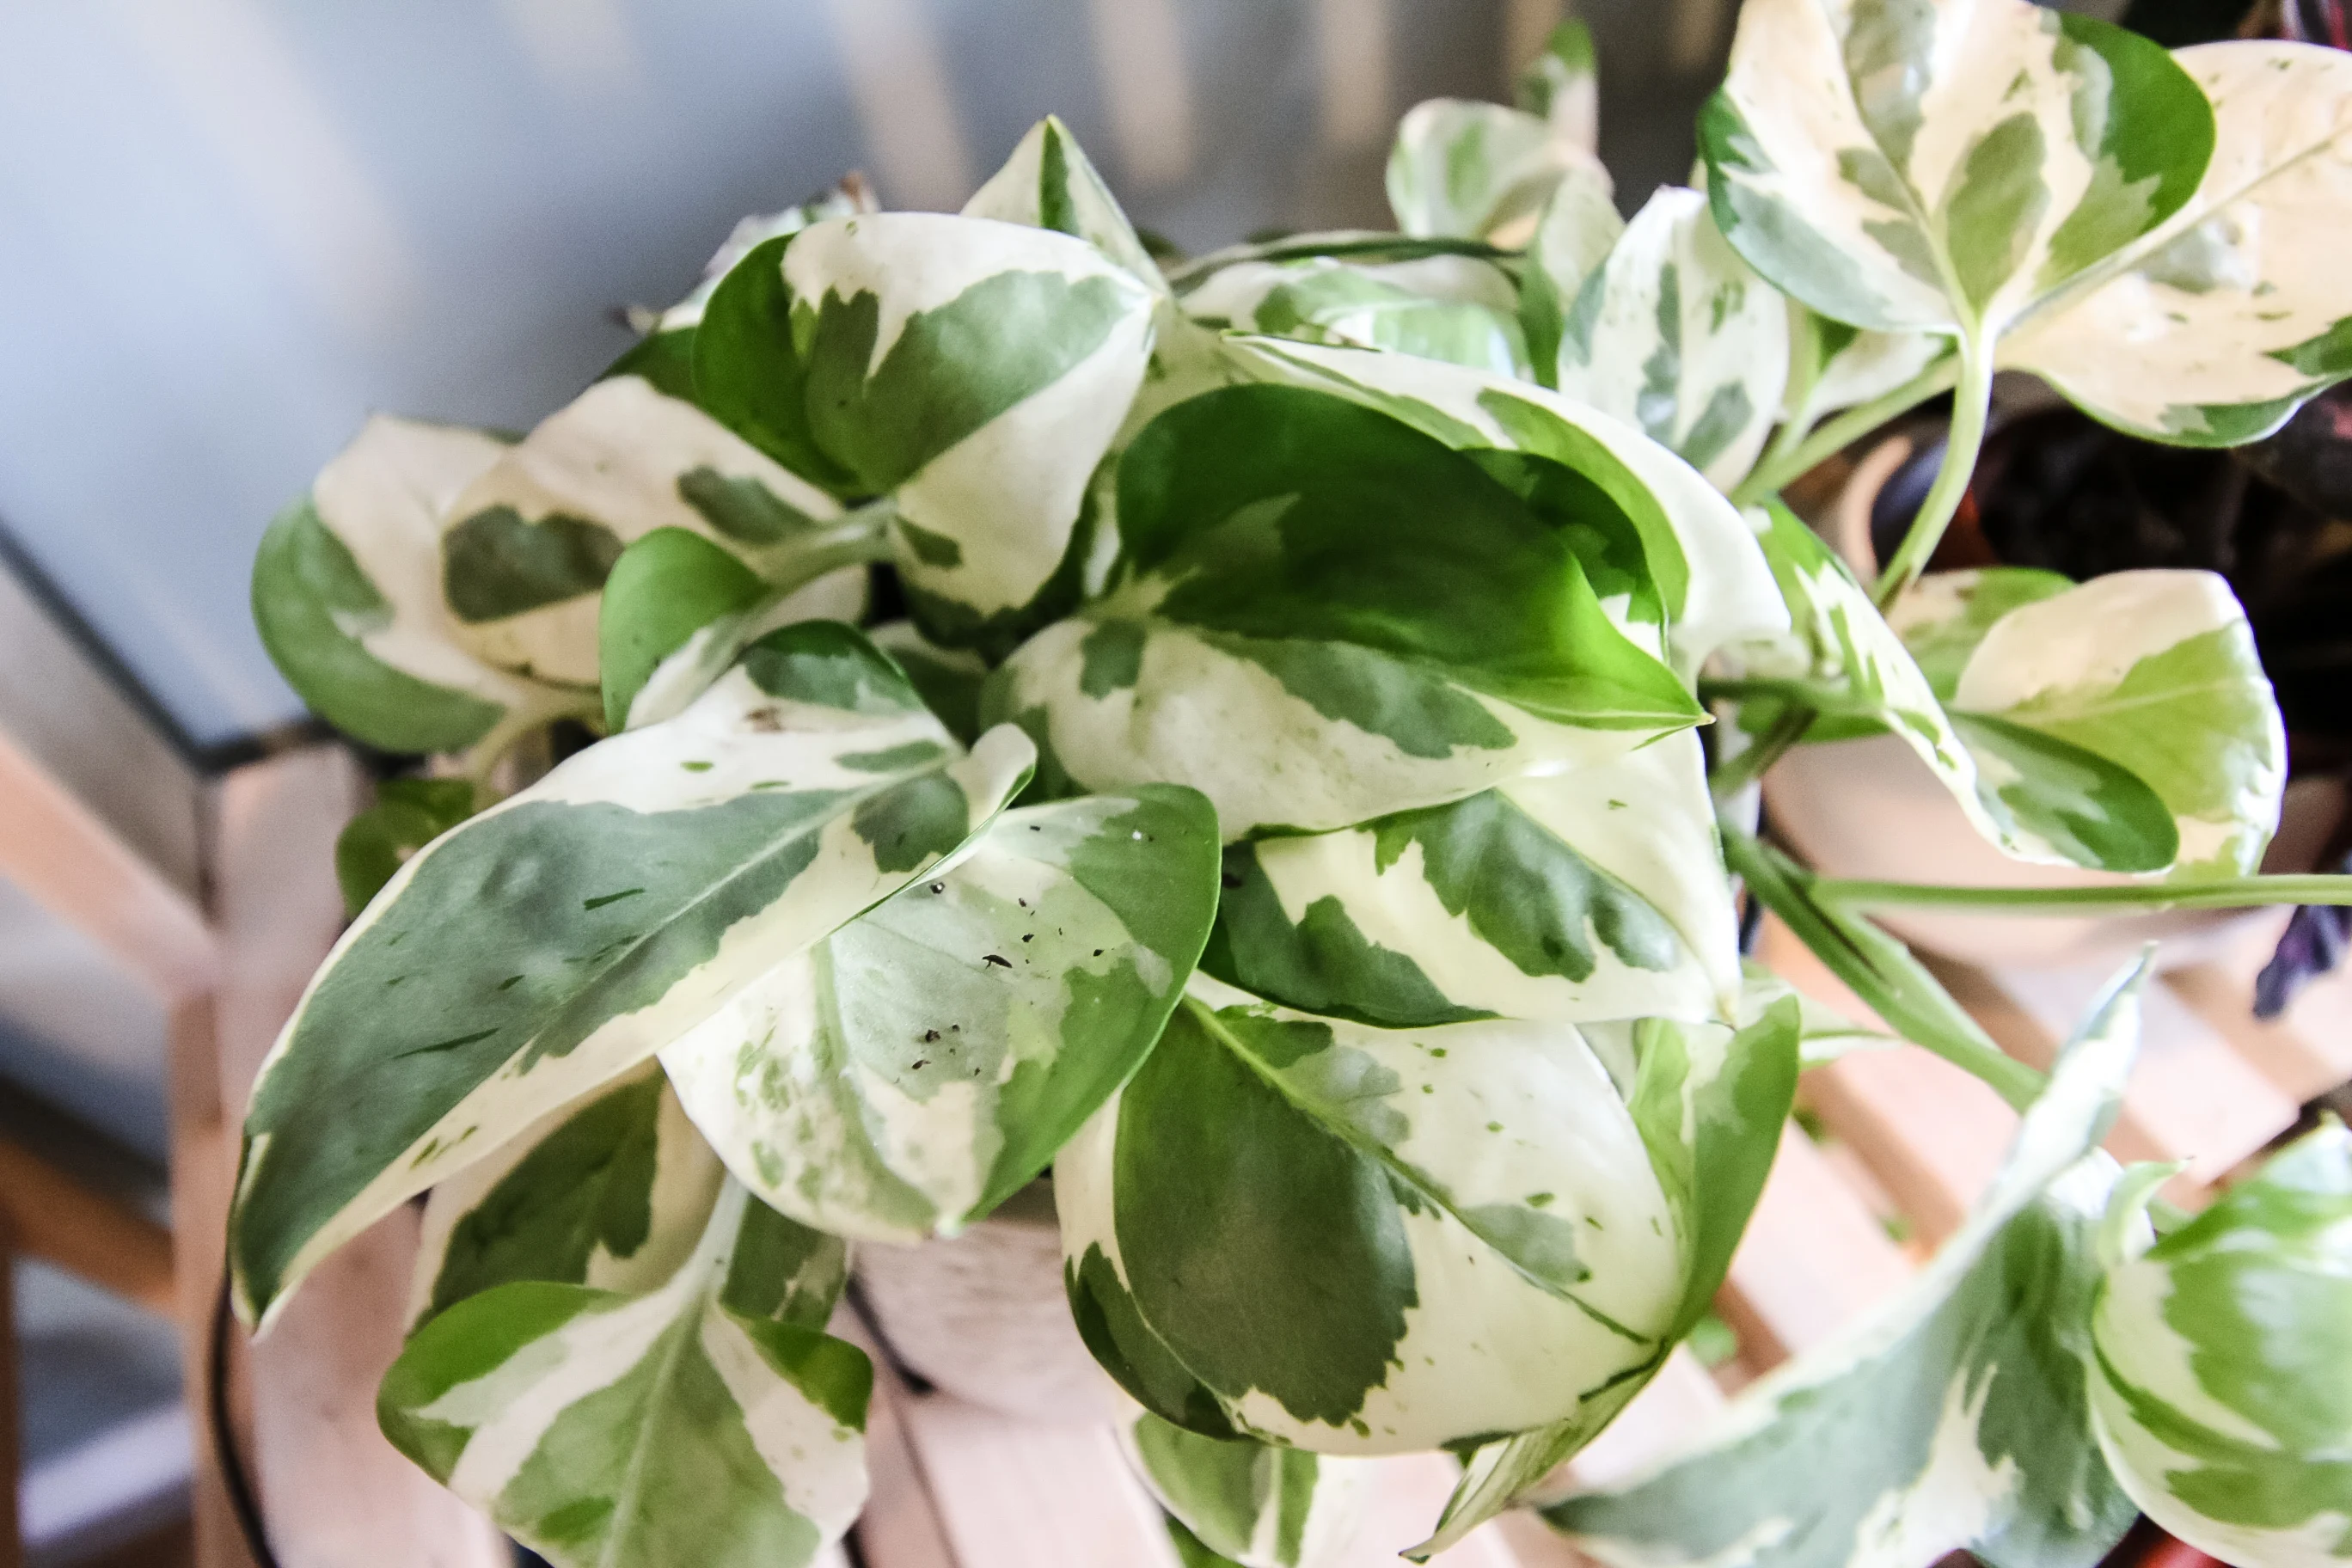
(1268, 737)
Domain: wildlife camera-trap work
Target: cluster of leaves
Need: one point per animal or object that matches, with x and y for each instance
(1283, 810)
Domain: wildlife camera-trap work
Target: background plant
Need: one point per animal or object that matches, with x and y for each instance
(1276, 799)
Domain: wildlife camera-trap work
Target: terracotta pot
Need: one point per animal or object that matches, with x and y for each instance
(982, 1316)
(1870, 808)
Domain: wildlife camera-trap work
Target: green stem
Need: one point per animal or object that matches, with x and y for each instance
(1789, 459)
(1737, 774)
(2226, 893)
(1971, 404)
(481, 759)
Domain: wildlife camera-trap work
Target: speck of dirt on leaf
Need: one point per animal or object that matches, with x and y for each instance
(929, 1035)
(997, 959)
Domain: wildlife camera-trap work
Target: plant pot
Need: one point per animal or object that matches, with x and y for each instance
(1870, 808)
(982, 1316)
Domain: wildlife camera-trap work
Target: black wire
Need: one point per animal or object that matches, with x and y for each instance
(232, 1463)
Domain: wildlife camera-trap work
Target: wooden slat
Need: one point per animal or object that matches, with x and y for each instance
(1814, 1258)
(56, 1219)
(336, 1494)
(1013, 1494)
(2190, 1097)
(2305, 1052)
(62, 854)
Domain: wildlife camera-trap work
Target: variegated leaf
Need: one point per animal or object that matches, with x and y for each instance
(974, 370)
(2213, 328)
(1050, 183)
(1695, 562)
(571, 932)
(1944, 616)
(347, 596)
(1467, 170)
(1833, 367)
(1940, 166)
(949, 679)
(1595, 893)
(915, 1069)
(2155, 674)
(610, 1190)
(1953, 1417)
(526, 546)
(1460, 309)
(1331, 618)
(686, 1425)
(1676, 334)
(2037, 796)
(1823, 1034)
(1562, 84)
(677, 611)
(1573, 236)
(847, 199)
(1709, 1102)
(1251, 1504)
(1361, 1241)
(2223, 1393)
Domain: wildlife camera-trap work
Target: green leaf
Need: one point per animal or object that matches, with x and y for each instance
(972, 370)
(1953, 1417)
(1711, 582)
(949, 679)
(347, 596)
(1709, 1102)
(1050, 183)
(610, 1190)
(2213, 328)
(600, 1428)
(2223, 1389)
(565, 936)
(1676, 334)
(1597, 893)
(408, 814)
(1479, 171)
(1361, 1241)
(2156, 672)
(1249, 1503)
(527, 546)
(915, 1069)
(664, 589)
(1933, 165)
(1823, 1034)
(1562, 84)
(1575, 232)
(1300, 639)
(1463, 310)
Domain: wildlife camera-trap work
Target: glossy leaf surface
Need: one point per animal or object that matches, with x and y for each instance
(1249, 1503)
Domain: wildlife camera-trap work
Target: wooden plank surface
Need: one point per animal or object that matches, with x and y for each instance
(2305, 1052)
(1814, 1255)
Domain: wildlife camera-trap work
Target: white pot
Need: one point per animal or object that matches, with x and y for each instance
(982, 1316)
(1871, 809)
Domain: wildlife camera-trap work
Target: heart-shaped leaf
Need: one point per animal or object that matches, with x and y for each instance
(1463, 310)
(561, 938)
(1050, 183)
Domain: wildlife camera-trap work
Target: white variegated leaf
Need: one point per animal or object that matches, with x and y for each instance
(1711, 582)
(1833, 367)
(1825, 1033)
(1050, 183)
(1562, 84)
(1954, 1416)
(1361, 1241)
(686, 1425)
(975, 371)
(1710, 1101)
(1674, 333)
(1295, 640)
(847, 199)
(1573, 235)
(1940, 166)
(527, 545)
(1596, 893)
(1250, 1503)
(2213, 330)
(610, 1190)
(347, 596)
(916, 1067)
(1466, 170)
(2222, 1393)
(2156, 672)
(1460, 309)
(563, 936)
